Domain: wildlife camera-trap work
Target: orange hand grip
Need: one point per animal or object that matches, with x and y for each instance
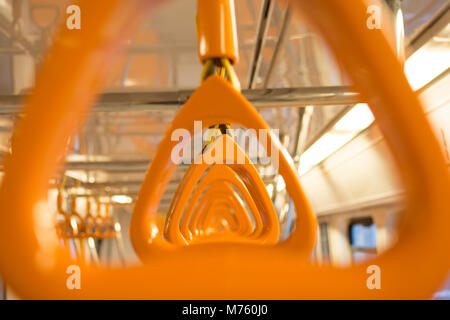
(230, 107)
(64, 226)
(98, 222)
(219, 193)
(103, 226)
(212, 213)
(421, 252)
(186, 227)
(66, 229)
(108, 223)
(216, 30)
(214, 208)
(267, 227)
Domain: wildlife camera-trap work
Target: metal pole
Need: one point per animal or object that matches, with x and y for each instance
(278, 45)
(173, 100)
(263, 26)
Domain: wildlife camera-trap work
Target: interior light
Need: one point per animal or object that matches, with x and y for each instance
(122, 199)
(356, 120)
(420, 68)
(326, 145)
(428, 62)
(353, 122)
(424, 65)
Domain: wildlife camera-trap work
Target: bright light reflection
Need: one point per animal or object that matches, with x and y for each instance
(122, 199)
(421, 68)
(281, 185)
(270, 190)
(428, 62)
(357, 119)
(320, 150)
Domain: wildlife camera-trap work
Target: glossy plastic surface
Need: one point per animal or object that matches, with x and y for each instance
(414, 267)
(216, 30)
(219, 207)
(230, 107)
(247, 181)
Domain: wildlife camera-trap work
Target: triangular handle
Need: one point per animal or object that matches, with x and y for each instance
(267, 227)
(240, 221)
(216, 101)
(221, 206)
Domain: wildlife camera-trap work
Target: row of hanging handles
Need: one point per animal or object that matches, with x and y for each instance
(89, 236)
(223, 269)
(72, 224)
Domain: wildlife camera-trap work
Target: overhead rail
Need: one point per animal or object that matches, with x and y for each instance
(173, 100)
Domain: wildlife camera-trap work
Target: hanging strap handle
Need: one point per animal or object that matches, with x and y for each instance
(216, 30)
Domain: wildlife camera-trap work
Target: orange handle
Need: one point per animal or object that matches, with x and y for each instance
(218, 196)
(188, 228)
(216, 30)
(251, 186)
(215, 220)
(219, 192)
(422, 251)
(223, 191)
(230, 107)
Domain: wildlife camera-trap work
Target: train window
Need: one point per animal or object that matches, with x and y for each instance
(324, 244)
(2, 290)
(363, 239)
(6, 76)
